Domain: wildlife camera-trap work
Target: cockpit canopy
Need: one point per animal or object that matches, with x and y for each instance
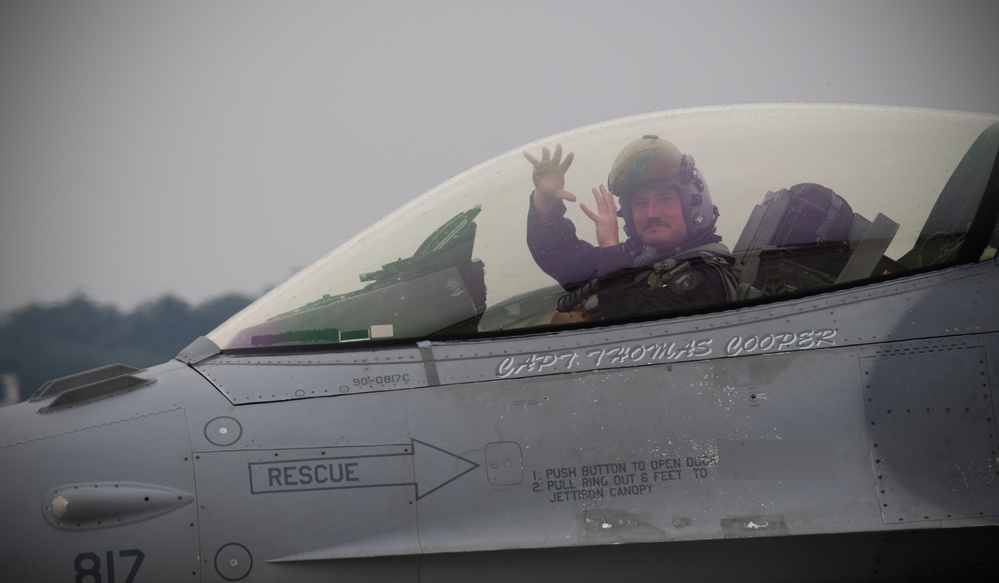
(810, 197)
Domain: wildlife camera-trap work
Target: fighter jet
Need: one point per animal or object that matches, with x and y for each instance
(427, 404)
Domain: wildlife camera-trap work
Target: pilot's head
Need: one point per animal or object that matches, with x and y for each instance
(664, 200)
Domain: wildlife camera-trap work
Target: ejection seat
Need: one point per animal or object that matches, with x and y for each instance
(808, 237)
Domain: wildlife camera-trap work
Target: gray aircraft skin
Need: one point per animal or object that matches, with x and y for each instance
(404, 409)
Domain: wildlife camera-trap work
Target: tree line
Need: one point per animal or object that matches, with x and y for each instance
(40, 342)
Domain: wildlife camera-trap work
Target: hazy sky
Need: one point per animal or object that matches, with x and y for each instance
(197, 147)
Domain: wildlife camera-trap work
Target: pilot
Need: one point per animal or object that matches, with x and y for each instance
(672, 259)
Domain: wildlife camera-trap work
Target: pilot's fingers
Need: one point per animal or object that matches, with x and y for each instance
(601, 204)
(567, 196)
(566, 163)
(545, 157)
(601, 215)
(549, 161)
(604, 200)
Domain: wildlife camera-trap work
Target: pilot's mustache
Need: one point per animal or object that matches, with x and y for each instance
(656, 222)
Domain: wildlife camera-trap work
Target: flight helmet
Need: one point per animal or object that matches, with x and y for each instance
(651, 161)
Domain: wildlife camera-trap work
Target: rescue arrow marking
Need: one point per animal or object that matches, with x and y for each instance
(437, 468)
(427, 472)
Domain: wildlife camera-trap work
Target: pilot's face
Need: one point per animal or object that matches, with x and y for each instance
(657, 215)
